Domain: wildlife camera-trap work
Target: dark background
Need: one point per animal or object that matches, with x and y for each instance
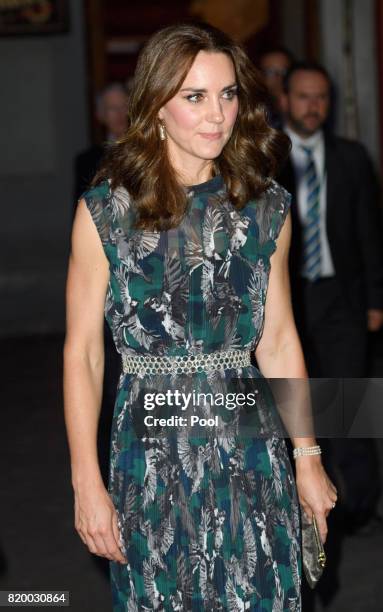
(48, 84)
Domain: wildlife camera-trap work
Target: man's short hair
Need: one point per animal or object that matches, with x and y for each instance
(307, 67)
(268, 50)
(115, 86)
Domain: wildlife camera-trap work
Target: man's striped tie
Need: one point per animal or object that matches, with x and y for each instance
(311, 236)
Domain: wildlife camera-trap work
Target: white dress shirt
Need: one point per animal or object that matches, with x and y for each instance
(299, 159)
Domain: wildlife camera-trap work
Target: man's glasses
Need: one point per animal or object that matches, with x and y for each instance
(275, 72)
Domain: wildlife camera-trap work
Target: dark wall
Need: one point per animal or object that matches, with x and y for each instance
(43, 119)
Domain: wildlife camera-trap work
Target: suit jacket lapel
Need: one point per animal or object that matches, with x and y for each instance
(334, 188)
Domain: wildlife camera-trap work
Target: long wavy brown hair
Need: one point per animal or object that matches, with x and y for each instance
(140, 162)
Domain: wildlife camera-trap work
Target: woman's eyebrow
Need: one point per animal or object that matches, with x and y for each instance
(204, 90)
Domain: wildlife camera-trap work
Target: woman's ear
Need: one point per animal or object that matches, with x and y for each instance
(160, 114)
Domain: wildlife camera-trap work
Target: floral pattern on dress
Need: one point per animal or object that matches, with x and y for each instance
(211, 522)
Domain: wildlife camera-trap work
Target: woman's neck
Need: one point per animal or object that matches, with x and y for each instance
(188, 177)
(192, 171)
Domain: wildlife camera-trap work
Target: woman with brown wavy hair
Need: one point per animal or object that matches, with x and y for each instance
(178, 242)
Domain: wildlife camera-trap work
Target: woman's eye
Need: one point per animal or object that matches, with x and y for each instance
(230, 94)
(194, 97)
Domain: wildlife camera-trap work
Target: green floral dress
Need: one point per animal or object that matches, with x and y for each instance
(208, 521)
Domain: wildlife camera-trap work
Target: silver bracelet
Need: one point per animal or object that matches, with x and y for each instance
(306, 450)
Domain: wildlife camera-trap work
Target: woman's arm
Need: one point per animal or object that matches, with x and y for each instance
(84, 347)
(88, 275)
(279, 352)
(279, 355)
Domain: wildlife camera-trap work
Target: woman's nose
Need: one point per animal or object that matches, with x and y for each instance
(215, 112)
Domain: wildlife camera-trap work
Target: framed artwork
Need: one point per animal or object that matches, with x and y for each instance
(33, 17)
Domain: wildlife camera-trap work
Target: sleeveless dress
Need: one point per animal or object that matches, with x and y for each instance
(208, 521)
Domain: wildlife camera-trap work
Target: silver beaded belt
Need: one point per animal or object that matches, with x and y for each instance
(185, 364)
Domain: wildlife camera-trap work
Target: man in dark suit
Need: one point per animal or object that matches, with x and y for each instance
(111, 114)
(336, 268)
(335, 210)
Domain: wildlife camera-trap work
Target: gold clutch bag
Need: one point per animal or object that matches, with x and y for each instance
(313, 554)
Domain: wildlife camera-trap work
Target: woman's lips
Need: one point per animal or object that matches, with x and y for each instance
(211, 135)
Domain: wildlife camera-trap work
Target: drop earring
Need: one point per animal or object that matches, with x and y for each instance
(162, 131)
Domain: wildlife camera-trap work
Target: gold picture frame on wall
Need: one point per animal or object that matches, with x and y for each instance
(23, 17)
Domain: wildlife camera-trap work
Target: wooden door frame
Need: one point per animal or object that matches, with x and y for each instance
(379, 51)
(312, 29)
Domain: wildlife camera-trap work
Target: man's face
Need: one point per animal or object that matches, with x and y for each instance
(307, 101)
(113, 113)
(274, 67)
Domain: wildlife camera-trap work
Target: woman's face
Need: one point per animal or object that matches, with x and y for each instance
(199, 119)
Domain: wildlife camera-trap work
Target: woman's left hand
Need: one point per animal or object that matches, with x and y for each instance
(317, 494)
